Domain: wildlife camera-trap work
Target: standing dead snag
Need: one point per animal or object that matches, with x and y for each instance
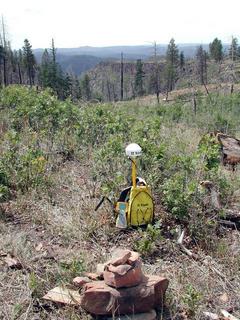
(232, 216)
(194, 104)
(121, 79)
(214, 195)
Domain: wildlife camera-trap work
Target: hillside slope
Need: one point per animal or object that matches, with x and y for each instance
(105, 77)
(57, 160)
(82, 58)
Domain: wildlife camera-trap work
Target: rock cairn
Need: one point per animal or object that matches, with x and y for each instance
(123, 289)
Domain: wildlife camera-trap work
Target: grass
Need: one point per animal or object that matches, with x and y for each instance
(50, 224)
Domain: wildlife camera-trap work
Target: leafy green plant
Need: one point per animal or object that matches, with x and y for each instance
(35, 285)
(4, 183)
(147, 239)
(71, 269)
(210, 149)
(4, 193)
(17, 310)
(178, 194)
(192, 299)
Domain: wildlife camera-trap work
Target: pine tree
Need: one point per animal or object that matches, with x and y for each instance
(172, 58)
(182, 60)
(75, 88)
(66, 86)
(51, 74)
(55, 68)
(85, 87)
(53, 52)
(201, 64)
(139, 78)
(29, 61)
(172, 53)
(44, 73)
(216, 50)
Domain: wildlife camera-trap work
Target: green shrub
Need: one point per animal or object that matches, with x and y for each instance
(192, 299)
(24, 165)
(4, 193)
(147, 239)
(4, 183)
(178, 194)
(71, 269)
(210, 150)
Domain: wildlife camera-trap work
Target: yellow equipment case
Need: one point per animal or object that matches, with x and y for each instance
(135, 206)
(140, 207)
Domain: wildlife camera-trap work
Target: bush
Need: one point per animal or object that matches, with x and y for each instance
(179, 191)
(148, 239)
(4, 184)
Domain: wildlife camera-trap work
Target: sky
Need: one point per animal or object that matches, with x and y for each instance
(75, 23)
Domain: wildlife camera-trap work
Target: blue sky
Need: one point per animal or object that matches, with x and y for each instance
(74, 23)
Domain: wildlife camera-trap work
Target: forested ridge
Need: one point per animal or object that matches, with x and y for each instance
(101, 79)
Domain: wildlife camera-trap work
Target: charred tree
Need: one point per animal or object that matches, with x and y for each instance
(121, 79)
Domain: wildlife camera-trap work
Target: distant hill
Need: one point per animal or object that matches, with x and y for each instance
(73, 63)
(82, 59)
(130, 52)
(77, 63)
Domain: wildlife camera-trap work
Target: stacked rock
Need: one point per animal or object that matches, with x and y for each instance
(124, 290)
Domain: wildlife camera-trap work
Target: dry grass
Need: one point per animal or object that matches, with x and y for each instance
(224, 88)
(57, 237)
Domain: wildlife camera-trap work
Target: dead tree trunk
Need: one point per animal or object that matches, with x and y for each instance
(121, 94)
(194, 105)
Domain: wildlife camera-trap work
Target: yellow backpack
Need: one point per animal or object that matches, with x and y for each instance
(140, 208)
(135, 207)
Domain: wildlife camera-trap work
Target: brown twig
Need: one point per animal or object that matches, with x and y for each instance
(183, 248)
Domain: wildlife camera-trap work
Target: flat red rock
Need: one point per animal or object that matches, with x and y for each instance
(100, 299)
(64, 296)
(119, 256)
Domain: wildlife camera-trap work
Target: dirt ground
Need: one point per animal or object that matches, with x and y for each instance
(58, 235)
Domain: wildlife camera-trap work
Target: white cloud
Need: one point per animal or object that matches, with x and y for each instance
(75, 23)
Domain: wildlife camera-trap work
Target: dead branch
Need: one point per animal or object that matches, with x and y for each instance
(227, 315)
(183, 248)
(211, 316)
(206, 88)
(214, 316)
(229, 223)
